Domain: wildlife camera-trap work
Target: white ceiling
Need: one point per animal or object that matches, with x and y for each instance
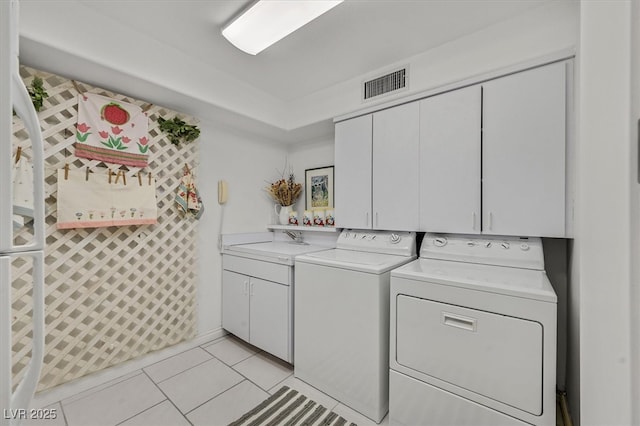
(354, 38)
(146, 39)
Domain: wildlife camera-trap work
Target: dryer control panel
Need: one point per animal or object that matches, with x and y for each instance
(525, 252)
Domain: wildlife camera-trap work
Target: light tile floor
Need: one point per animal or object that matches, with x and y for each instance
(212, 384)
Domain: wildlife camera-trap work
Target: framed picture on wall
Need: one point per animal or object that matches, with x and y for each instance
(318, 188)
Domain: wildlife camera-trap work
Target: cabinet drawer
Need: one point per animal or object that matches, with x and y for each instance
(257, 268)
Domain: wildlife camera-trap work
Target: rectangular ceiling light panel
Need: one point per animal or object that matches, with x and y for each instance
(268, 21)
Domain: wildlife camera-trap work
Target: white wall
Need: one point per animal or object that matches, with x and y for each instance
(310, 156)
(635, 210)
(537, 32)
(603, 221)
(246, 163)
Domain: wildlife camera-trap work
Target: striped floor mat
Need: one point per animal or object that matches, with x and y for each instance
(288, 407)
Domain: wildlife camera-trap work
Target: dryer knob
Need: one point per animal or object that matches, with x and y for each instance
(394, 238)
(440, 242)
(505, 245)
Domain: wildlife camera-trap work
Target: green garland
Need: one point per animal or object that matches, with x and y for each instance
(177, 130)
(38, 93)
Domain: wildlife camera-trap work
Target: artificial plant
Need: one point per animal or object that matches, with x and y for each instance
(177, 130)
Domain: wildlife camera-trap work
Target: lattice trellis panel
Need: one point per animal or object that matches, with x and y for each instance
(113, 293)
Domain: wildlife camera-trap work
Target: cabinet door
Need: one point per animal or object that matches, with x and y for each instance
(270, 317)
(450, 129)
(523, 158)
(396, 134)
(235, 304)
(353, 173)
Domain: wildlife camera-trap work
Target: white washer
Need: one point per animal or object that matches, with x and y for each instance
(342, 317)
(473, 334)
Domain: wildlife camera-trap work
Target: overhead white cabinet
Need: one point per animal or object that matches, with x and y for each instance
(376, 170)
(396, 140)
(352, 172)
(450, 130)
(523, 153)
(256, 304)
(489, 158)
(493, 155)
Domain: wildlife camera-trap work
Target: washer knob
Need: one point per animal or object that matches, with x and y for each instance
(394, 238)
(487, 244)
(440, 242)
(505, 245)
(524, 246)
(471, 243)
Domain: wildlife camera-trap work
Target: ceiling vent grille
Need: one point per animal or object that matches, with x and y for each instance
(385, 84)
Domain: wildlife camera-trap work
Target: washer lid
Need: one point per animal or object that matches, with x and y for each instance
(281, 251)
(374, 263)
(526, 283)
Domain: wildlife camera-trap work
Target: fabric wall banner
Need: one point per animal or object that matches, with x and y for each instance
(97, 203)
(111, 130)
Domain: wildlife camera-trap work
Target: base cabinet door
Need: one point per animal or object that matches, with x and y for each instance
(235, 304)
(269, 317)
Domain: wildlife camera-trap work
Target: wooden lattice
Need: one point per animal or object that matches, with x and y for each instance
(113, 293)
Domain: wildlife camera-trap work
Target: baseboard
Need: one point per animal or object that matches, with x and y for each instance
(113, 374)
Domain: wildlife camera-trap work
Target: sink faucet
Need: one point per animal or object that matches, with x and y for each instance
(294, 235)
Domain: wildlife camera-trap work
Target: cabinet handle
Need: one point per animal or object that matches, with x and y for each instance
(490, 220)
(251, 289)
(246, 288)
(473, 221)
(367, 218)
(376, 219)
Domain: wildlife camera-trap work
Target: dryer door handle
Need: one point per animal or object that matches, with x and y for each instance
(459, 321)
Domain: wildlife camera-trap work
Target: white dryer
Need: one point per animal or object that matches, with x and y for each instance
(342, 317)
(473, 334)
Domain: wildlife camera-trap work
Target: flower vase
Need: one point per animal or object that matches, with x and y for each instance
(283, 213)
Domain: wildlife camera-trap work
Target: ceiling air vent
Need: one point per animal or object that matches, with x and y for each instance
(387, 83)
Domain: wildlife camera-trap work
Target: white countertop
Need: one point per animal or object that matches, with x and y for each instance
(273, 251)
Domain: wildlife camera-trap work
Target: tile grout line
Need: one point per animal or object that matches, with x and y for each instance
(145, 410)
(94, 390)
(183, 371)
(211, 399)
(168, 399)
(259, 387)
(64, 415)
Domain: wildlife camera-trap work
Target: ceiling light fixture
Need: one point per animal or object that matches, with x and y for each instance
(268, 21)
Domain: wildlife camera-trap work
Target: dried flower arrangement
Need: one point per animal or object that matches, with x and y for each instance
(285, 191)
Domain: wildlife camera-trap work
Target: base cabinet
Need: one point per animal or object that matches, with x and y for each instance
(257, 310)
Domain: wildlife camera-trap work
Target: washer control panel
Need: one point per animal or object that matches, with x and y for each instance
(387, 242)
(525, 252)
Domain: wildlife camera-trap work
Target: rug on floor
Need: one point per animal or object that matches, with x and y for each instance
(288, 407)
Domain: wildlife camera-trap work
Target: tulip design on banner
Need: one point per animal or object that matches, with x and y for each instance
(106, 127)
